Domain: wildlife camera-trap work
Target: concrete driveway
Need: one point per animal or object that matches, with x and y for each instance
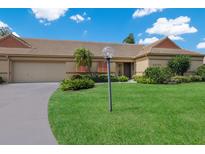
(23, 113)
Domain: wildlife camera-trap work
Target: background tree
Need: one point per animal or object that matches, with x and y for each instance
(83, 57)
(130, 39)
(179, 64)
(4, 31)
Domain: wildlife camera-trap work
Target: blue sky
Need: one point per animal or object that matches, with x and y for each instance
(185, 26)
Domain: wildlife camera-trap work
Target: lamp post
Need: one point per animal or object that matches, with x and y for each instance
(108, 53)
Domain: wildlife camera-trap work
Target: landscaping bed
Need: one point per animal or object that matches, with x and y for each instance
(142, 114)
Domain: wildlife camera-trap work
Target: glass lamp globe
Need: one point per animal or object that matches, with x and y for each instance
(108, 52)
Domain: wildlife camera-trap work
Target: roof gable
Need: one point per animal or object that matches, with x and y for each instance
(166, 43)
(11, 41)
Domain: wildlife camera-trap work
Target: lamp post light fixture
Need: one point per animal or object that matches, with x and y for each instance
(108, 53)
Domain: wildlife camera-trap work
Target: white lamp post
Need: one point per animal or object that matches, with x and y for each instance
(108, 53)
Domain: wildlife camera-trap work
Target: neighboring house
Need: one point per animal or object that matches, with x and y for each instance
(41, 60)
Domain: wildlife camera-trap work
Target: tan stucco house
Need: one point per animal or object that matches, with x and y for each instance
(41, 60)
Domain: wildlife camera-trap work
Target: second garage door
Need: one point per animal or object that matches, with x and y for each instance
(38, 71)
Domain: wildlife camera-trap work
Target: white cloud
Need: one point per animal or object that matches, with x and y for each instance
(148, 40)
(144, 12)
(77, 18)
(14, 33)
(80, 18)
(85, 32)
(2, 24)
(201, 45)
(88, 18)
(84, 13)
(47, 15)
(173, 37)
(172, 27)
(140, 34)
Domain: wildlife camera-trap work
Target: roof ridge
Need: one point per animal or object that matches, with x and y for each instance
(156, 42)
(180, 49)
(112, 43)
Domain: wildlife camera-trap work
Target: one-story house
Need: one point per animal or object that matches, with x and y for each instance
(42, 60)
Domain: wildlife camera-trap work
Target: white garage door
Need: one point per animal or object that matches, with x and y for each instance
(38, 71)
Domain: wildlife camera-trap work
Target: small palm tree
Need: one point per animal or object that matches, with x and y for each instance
(83, 57)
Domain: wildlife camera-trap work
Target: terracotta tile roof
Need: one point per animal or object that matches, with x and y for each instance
(40, 47)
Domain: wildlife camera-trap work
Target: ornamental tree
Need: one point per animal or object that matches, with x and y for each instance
(83, 57)
(179, 64)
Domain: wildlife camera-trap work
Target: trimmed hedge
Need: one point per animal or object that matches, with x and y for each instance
(123, 78)
(76, 84)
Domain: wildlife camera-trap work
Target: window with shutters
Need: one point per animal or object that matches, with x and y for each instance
(102, 67)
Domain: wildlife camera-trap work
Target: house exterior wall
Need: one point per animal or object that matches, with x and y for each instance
(4, 68)
(162, 61)
(195, 63)
(29, 69)
(140, 65)
(158, 61)
(71, 67)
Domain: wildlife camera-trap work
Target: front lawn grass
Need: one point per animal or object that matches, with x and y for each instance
(142, 114)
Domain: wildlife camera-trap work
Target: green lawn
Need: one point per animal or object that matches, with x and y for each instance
(142, 114)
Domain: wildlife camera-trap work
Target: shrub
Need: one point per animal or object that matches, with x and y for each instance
(143, 79)
(123, 78)
(104, 78)
(1, 80)
(86, 76)
(114, 78)
(76, 76)
(96, 77)
(76, 84)
(158, 75)
(180, 79)
(179, 64)
(195, 78)
(201, 72)
(80, 76)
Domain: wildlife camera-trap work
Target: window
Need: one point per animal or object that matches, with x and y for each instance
(102, 67)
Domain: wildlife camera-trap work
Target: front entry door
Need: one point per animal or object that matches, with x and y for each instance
(127, 69)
